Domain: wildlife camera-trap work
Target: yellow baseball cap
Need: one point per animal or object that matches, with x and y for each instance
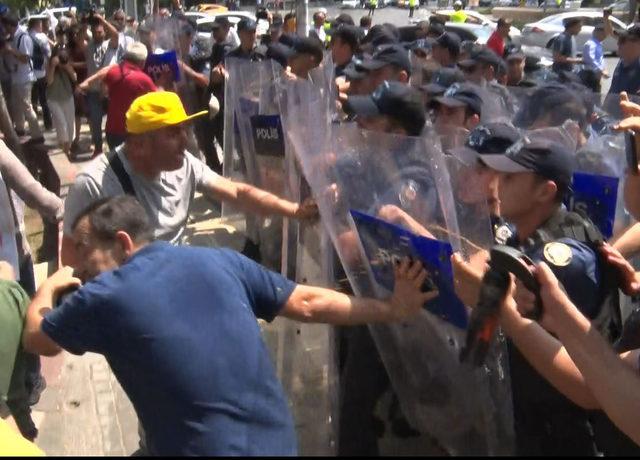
(156, 110)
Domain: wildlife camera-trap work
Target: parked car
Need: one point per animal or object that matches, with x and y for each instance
(542, 32)
(476, 22)
(204, 26)
(479, 35)
(350, 4)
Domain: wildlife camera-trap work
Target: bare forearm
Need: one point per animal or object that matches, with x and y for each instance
(613, 383)
(548, 357)
(631, 201)
(318, 305)
(27, 187)
(51, 69)
(629, 242)
(260, 201)
(32, 337)
(71, 73)
(99, 75)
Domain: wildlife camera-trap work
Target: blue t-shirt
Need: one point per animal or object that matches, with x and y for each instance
(178, 327)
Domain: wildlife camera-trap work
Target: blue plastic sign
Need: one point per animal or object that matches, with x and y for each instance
(385, 243)
(596, 196)
(267, 135)
(158, 64)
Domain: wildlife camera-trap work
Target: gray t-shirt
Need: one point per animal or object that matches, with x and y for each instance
(99, 56)
(166, 199)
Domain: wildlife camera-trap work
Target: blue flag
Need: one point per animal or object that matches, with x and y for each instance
(158, 64)
(385, 243)
(596, 196)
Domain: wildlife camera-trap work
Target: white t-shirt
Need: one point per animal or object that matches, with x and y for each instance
(43, 41)
(21, 72)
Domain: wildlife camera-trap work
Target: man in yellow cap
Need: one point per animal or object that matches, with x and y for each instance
(154, 166)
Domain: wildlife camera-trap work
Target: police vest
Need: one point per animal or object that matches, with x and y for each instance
(373, 3)
(412, 3)
(578, 227)
(569, 423)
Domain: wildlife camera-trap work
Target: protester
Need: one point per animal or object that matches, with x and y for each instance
(61, 78)
(100, 53)
(500, 37)
(155, 145)
(77, 44)
(120, 261)
(19, 53)
(564, 46)
(39, 63)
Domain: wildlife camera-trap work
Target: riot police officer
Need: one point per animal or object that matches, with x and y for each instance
(535, 176)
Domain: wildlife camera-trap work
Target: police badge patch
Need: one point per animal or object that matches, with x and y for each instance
(558, 254)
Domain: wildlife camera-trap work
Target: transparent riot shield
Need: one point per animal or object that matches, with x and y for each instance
(493, 109)
(406, 182)
(305, 353)
(255, 149)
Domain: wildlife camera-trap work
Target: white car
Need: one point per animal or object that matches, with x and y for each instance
(479, 24)
(540, 33)
(350, 4)
(196, 15)
(204, 26)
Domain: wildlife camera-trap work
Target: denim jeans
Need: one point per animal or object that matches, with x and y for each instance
(94, 103)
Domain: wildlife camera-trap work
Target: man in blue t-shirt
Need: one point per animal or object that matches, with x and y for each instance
(178, 327)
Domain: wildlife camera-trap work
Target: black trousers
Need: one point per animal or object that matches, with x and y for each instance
(39, 96)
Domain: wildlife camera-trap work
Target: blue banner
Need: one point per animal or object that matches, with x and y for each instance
(385, 243)
(596, 196)
(158, 64)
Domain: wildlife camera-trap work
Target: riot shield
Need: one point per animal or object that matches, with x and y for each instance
(598, 182)
(406, 182)
(494, 108)
(306, 354)
(255, 149)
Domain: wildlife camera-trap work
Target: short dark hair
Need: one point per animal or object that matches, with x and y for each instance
(344, 18)
(123, 213)
(32, 22)
(311, 46)
(365, 21)
(10, 19)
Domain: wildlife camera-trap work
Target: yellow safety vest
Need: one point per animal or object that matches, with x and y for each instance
(412, 3)
(458, 16)
(373, 3)
(327, 28)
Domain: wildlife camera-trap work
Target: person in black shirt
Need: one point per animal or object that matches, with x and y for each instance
(344, 45)
(247, 34)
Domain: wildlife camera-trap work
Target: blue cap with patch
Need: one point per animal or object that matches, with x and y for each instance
(537, 154)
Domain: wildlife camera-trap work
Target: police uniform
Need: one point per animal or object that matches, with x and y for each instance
(546, 422)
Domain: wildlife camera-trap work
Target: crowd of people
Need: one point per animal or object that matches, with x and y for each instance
(177, 324)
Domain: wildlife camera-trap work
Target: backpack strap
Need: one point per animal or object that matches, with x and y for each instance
(115, 163)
